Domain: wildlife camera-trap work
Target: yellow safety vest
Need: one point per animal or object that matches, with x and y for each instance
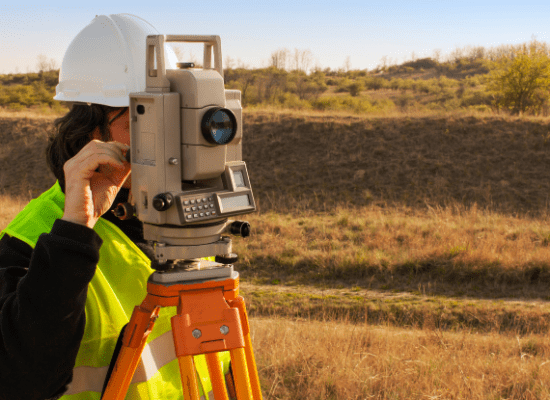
(119, 284)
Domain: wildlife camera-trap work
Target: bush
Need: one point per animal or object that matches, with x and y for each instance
(355, 88)
(521, 84)
(293, 101)
(355, 104)
(376, 83)
(476, 98)
(405, 101)
(16, 106)
(343, 85)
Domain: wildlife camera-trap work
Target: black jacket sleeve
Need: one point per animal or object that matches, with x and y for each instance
(42, 316)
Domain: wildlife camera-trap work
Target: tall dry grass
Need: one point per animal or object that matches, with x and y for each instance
(445, 251)
(9, 207)
(321, 360)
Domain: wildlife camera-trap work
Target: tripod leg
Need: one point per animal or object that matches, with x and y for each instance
(242, 380)
(135, 338)
(188, 379)
(216, 376)
(250, 360)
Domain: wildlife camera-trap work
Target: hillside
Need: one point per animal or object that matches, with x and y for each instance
(404, 257)
(316, 161)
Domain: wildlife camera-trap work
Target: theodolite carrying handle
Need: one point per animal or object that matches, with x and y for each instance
(156, 78)
(210, 41)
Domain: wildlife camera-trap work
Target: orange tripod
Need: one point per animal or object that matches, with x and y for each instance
(211, 317)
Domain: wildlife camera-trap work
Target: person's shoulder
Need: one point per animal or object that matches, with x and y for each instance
(37, 217)
(15, 256)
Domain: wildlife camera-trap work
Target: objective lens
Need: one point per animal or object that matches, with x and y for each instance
(219, 126)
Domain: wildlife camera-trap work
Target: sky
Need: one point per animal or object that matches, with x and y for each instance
(365, 31)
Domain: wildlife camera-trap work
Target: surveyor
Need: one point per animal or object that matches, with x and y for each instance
(71, 273)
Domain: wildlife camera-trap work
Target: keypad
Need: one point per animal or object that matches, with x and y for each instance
(198, 208)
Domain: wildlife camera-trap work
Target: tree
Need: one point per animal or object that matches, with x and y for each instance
(229, 63)
(42, 63)
(521, 84)
(302, 60)
(355, 88)
(52, 64)
(437, 55)
(279, 58)
(383, 65)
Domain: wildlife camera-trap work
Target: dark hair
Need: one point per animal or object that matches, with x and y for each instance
(74, 130)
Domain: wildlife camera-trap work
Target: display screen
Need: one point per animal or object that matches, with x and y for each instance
(238, 178)
(229, 203)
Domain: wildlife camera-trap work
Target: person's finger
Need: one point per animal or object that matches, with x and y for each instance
(97, 147)
(90, 164)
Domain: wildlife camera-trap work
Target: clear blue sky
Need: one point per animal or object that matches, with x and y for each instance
(251, 30)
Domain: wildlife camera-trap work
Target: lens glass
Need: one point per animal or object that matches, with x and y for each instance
(222, 127)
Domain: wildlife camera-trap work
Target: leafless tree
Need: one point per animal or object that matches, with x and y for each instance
(42, 63)
(241, 64)
(52, 64)
(178, 51)
(437, 55)
(229, 62)
(347, 64)
(280, 58)
(383, 63)
(302, 60)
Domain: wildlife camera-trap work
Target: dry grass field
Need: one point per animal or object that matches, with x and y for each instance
(393, 256)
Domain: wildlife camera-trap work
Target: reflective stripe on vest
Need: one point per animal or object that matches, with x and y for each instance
(119, 284)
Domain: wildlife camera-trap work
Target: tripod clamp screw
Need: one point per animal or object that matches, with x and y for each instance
(196, 333)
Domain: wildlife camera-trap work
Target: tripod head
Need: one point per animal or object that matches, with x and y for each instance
(188, 177)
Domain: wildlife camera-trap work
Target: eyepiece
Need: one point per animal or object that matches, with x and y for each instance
(124, 211)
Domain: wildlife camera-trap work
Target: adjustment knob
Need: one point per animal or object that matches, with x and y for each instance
(163, 201)
(240, 228)
(124, 211)
(230, 258)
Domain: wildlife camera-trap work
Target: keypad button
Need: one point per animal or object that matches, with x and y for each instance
(200, 207)
(189, 216)
(201, 214)
(193, 201)
(187, 209)
(194, 208)
(210, 198)
(195, 215)
(186, 202)
(207, 213)
(213, 212)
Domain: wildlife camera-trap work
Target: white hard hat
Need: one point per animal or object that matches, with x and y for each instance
(105, 62)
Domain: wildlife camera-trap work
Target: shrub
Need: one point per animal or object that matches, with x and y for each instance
(376, 83)
(291, 100)
(343, 85)
(355, 88)
(521, 84)
(354, 104)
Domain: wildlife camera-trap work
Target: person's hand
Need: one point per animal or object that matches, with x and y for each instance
(93, 178)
